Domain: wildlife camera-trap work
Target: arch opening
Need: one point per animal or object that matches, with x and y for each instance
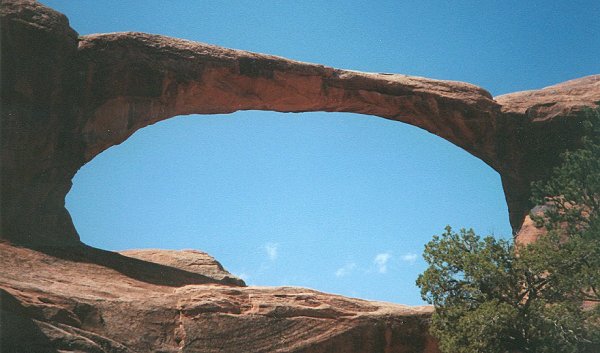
(338, 202)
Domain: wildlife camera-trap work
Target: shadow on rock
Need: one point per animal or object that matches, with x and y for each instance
(140, 270)
(18, 331)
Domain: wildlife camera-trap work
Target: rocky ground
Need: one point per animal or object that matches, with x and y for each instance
(89, 300)
(66, 98)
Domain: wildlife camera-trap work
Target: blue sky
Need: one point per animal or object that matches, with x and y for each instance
(341, 203)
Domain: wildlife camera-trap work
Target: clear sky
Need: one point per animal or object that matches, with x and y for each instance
(341, 203)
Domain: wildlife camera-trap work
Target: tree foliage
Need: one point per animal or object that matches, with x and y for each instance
(494, 296)
(571, 215)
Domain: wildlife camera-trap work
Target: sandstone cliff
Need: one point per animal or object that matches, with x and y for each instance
(67, 98)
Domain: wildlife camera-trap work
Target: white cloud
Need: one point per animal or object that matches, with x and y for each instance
(345, 270)
(381, 261)
(410, 258)
(272, 250)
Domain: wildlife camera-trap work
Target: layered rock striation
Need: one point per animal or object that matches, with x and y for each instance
(66, 98)
(89, 300)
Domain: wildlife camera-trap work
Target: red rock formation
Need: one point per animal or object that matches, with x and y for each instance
(187, 260)
(40, 148)
(66, 99)
(61, 301)
(538, 126)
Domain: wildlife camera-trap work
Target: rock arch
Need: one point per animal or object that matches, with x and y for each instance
(66, 99)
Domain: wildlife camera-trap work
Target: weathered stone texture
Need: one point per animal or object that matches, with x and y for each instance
(90, 300)
(65, 99)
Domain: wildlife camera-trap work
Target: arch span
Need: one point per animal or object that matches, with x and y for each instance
(67, 98)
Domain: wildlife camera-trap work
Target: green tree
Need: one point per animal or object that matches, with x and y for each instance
(570, 251)
(493, 296)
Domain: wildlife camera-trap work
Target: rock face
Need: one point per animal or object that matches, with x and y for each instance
(39, 148)
(187, 260)
(66, 98)
(542, 124)
(61, 301)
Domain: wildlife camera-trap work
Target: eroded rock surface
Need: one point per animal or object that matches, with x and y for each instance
(67, 98)
(58, 300)
(188, 260)
(539, 126)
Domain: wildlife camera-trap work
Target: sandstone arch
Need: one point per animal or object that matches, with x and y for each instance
(67, 98)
